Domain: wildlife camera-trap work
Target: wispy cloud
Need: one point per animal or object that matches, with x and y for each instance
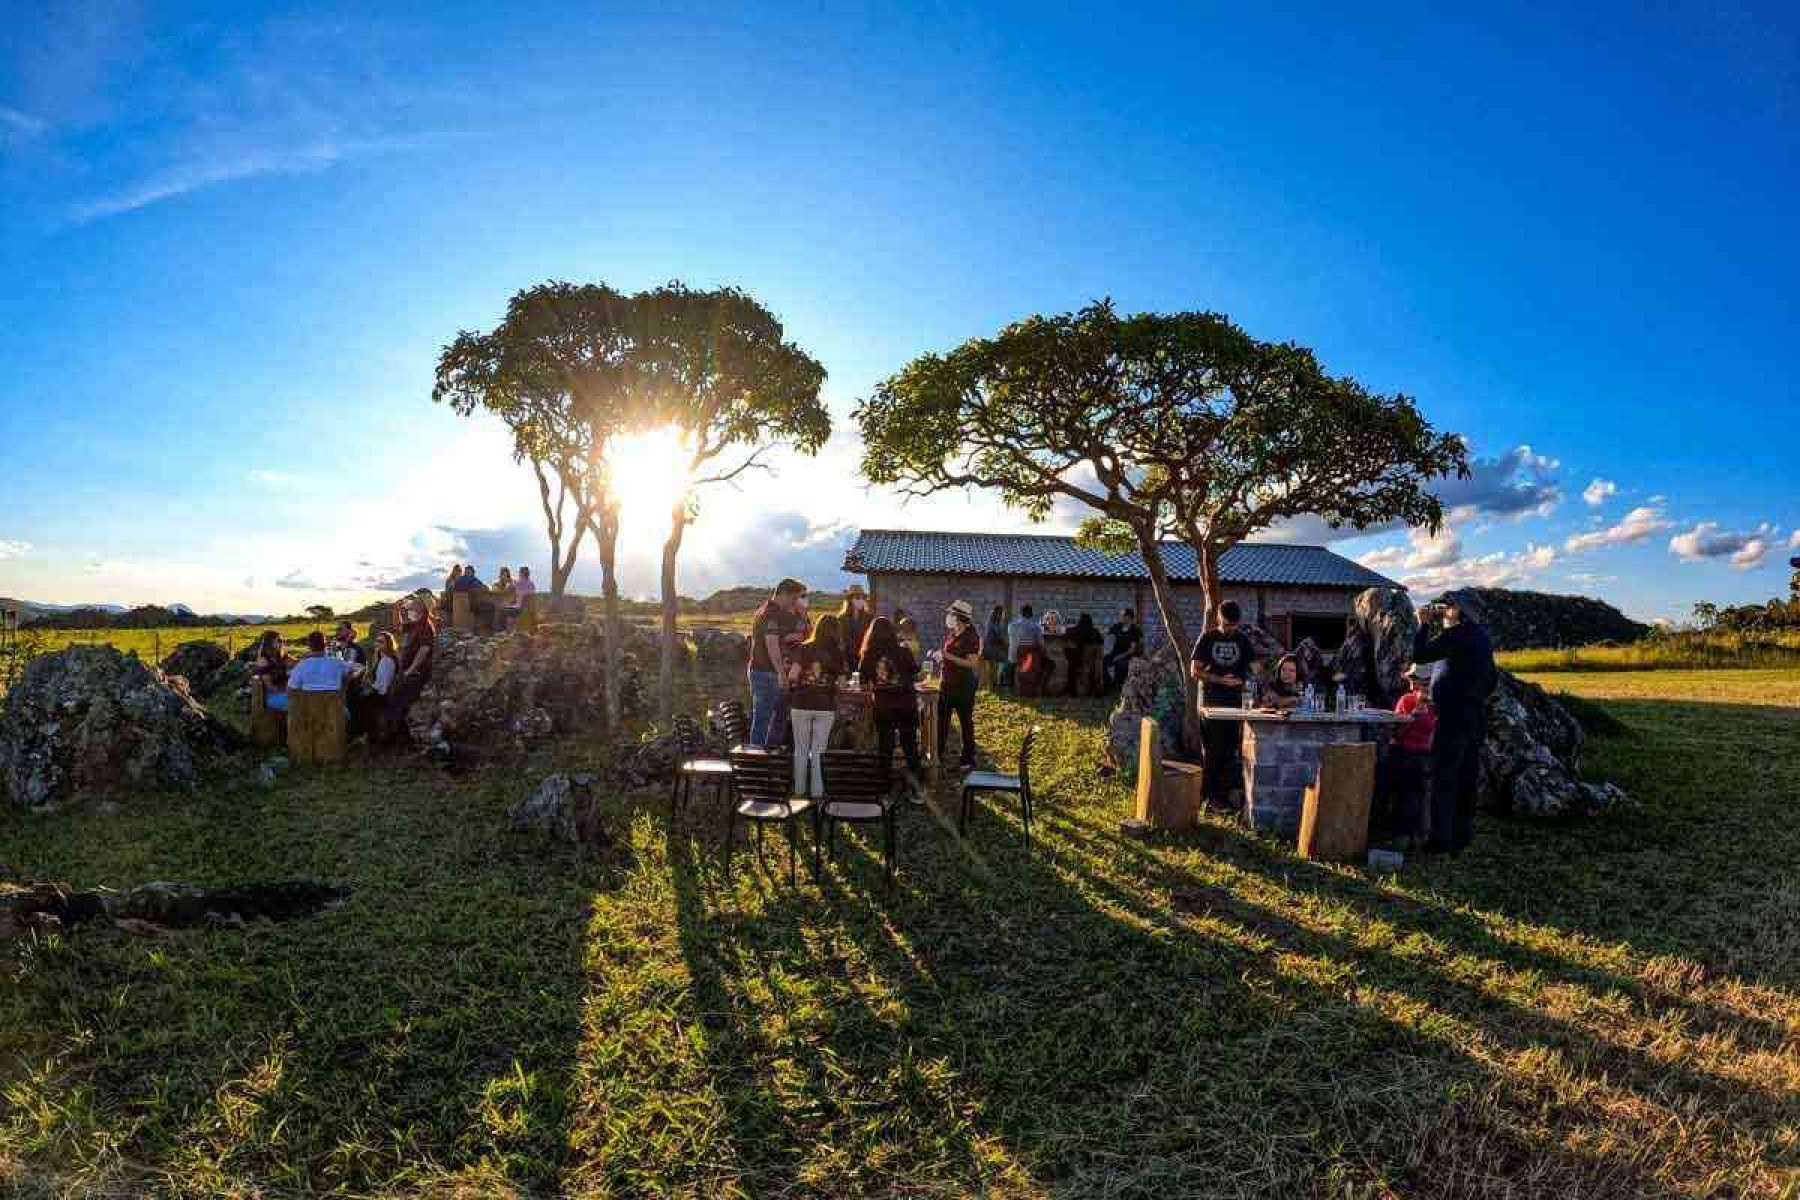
(1599, 492)
(13, 549)
(195, 175)
(17, 126)
(297, 580)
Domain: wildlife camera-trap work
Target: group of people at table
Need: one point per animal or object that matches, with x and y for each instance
(379, 684)
(1432, 766)
(502, 602)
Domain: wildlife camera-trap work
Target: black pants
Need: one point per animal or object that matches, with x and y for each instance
(1221, 740)
(400, 699)
(1117, 667)
(904, 728)
(1455, 772)
(962, 703)
(1405, 791)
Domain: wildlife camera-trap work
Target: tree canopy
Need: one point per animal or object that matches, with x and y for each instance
(1175, 425)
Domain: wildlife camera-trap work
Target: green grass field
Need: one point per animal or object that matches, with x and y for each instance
(1689, 650)
(1608, 1009)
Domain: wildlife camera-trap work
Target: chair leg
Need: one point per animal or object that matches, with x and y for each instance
(1025, 813)
(675, 792)
(962, 821)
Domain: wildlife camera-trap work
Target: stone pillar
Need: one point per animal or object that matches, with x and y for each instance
(1280, 759)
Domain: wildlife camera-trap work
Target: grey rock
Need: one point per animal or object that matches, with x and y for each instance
(90, 722)
(563, 805)
(200, 663)
(1531, 759)
(1155, 686)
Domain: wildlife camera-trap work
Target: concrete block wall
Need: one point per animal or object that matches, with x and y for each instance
(1281, 760)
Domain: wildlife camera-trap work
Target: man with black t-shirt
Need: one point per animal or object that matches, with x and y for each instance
(1220, 664)
(1126, 642)
(770, 630)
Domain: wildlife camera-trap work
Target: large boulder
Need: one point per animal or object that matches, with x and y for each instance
(497, 696)
(1378, 646)
(1155, 686)
(199, 663)
(720, 649)
(1531, 760)
(89, 721)
(563, 806)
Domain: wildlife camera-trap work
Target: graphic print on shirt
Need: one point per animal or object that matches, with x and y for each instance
(884, 672)
(1224, 655)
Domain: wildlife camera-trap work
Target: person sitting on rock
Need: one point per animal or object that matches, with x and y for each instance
(1283, 691)
(344, 644)
(370, 703)
(271, 664)
(319, 671)
(524, 588)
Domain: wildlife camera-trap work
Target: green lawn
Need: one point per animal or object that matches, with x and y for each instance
(1602, 1010)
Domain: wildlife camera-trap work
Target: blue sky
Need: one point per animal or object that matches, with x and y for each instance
(234, 239)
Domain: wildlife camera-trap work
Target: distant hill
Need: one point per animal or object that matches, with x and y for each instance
(1518, 620)
(112, 616)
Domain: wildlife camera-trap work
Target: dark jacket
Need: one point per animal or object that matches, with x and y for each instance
(1460, 688)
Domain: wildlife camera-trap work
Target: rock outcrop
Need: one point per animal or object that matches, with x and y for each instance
(1155, 686)
(89, 721)
(496, 696)
(1531, 761)
(155, 907)
(1378, 646)
(199, 663)
(720, 648)
(563, 806)
(1519, 620)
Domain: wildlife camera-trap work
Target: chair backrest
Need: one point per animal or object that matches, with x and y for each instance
(688, 738)
(317, 729)
(856, 776)
(762, 775)
(732, 722)
(1025, 757)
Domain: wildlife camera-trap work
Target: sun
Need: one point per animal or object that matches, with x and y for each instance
(650, 475)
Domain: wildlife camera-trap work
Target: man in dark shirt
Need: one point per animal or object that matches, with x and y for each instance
(1221, 663)
(1465, 677)
(777, 620)
(1127, 643)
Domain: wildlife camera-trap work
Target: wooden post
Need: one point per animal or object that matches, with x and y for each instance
(1169, 793)
(266, 724)
(1334, 821)
(316, 731)
(462, 611)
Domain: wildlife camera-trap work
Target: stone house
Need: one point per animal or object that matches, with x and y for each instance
(1293, 592)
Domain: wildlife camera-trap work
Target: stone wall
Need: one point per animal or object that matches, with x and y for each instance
(927, 596)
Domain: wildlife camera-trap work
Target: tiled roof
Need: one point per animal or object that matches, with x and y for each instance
(1026, 555)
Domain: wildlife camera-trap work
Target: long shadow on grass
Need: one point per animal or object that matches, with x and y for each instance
(424, 1030)
(996, 1021)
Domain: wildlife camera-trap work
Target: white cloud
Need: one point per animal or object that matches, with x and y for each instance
(13, 549)
(1707, 540)
(274, 479)
(1599, 491)
(1640, 524)
(1423, 552)
(1519, 483)
(1794, 540)
(297, 580)
(1589, 577)
(1499, 569)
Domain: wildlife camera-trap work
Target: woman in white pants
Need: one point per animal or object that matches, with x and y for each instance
(813, 670)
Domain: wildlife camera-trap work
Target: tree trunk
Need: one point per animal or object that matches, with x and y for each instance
(1206, 562)
(1163, 590)
(606, 533)
(665, 683)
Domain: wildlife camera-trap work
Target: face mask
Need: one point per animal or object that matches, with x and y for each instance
(949, 621)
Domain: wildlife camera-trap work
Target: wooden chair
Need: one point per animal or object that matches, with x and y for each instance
(462, 611)
(318, 727)
(994, 781)
(1169, 793)
(1334, 817)
(762, 793)
(859, 789)
(268, 726)
(693, 765)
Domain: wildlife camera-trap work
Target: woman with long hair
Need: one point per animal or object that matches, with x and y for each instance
(378, 677)
(271, 662)
(417, 617)
(813, 670)
(890, 672)
(853, 622)
(962, 659)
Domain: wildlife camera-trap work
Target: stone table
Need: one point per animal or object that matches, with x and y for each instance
(1281, 756)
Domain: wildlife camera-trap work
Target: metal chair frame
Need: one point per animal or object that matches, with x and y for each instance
(694, 764)
(1019, 785)
(856, 777)
(763, 777)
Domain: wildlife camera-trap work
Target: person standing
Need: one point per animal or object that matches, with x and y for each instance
(775, 621)
(962, 659)
(994, 649)
(1024, 646)
(1407, 770)
(813, 668)
(1083, 648)
(890, 672)
(1220, 663)
(1464, 679)
(853, 618)
(1127, 642)
(344, 644)
(419, 632)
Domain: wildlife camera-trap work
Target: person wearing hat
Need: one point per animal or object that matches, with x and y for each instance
(1407, 769)
(962, 659)
(853, 618)
(1464, 679)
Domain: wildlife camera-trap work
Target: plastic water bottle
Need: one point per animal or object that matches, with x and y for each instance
(1338, 700)
(1309, 700)
(1249, 694)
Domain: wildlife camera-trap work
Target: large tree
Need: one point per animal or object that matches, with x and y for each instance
(559, 371)
(1164, 425)
(716, 371)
